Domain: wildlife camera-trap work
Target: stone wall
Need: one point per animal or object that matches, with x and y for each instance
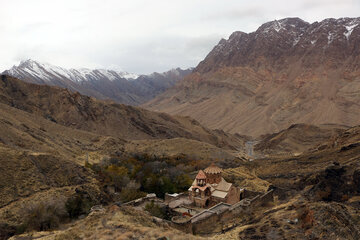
(215, 219)
(263, 200)
(140, 201)
(223, 216)
(171, 197)
(251, 194)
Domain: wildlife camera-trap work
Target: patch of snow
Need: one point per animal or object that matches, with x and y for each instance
(349, 29)
(78, 75)
(218, 49)
(313, 42)
(130, 75)
(119, 71)
(277, 26)
(296, 40)
(35, 69)
(330, 37)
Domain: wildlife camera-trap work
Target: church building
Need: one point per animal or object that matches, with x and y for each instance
(210, 188)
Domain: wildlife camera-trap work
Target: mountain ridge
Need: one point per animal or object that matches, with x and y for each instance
(105, 117)
(288, 71)
(122, 87)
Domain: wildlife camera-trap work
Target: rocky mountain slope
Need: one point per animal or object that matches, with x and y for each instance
(105, 118)
(320, 192)
(119, 86)
(298, 138)
(287, 71)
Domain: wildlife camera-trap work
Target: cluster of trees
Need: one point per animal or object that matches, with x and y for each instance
(133, 177)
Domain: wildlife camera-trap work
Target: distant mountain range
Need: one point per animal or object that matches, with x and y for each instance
(288, 71)
(122, 87)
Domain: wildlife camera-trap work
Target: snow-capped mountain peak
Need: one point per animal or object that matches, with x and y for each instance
(111, 83)
(286, 36)
(49, 72)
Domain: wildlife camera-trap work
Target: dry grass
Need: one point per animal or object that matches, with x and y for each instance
(178, 146)
(246, 178)
(116, 223)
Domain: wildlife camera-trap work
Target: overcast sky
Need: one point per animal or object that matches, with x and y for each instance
(140, 36)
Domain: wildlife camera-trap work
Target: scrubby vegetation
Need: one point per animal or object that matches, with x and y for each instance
(44, 216)
(157, 211)
(41, 216)
(50, 213)
(134, 176)
(78, 205)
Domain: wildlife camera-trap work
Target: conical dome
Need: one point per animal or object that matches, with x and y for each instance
(213, 169)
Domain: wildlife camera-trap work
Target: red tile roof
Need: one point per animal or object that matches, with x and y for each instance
(201, 188)
(201, 175)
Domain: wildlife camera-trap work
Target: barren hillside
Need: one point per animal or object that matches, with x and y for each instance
(297, 139)
(286, 72)
(105, 118)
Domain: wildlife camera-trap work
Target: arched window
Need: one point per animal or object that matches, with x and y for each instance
(197, 192)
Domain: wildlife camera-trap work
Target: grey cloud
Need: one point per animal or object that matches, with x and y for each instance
(235, 14)
(139, 36)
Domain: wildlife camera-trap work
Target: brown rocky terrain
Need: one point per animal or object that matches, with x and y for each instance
(106, 118)
(115, 223)
(178, 146)
(30, 179)
(297, 139)
(286, 72)
(316, 193)
(293, 169)
(24, 131)
(43, 150)
(317, 196)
